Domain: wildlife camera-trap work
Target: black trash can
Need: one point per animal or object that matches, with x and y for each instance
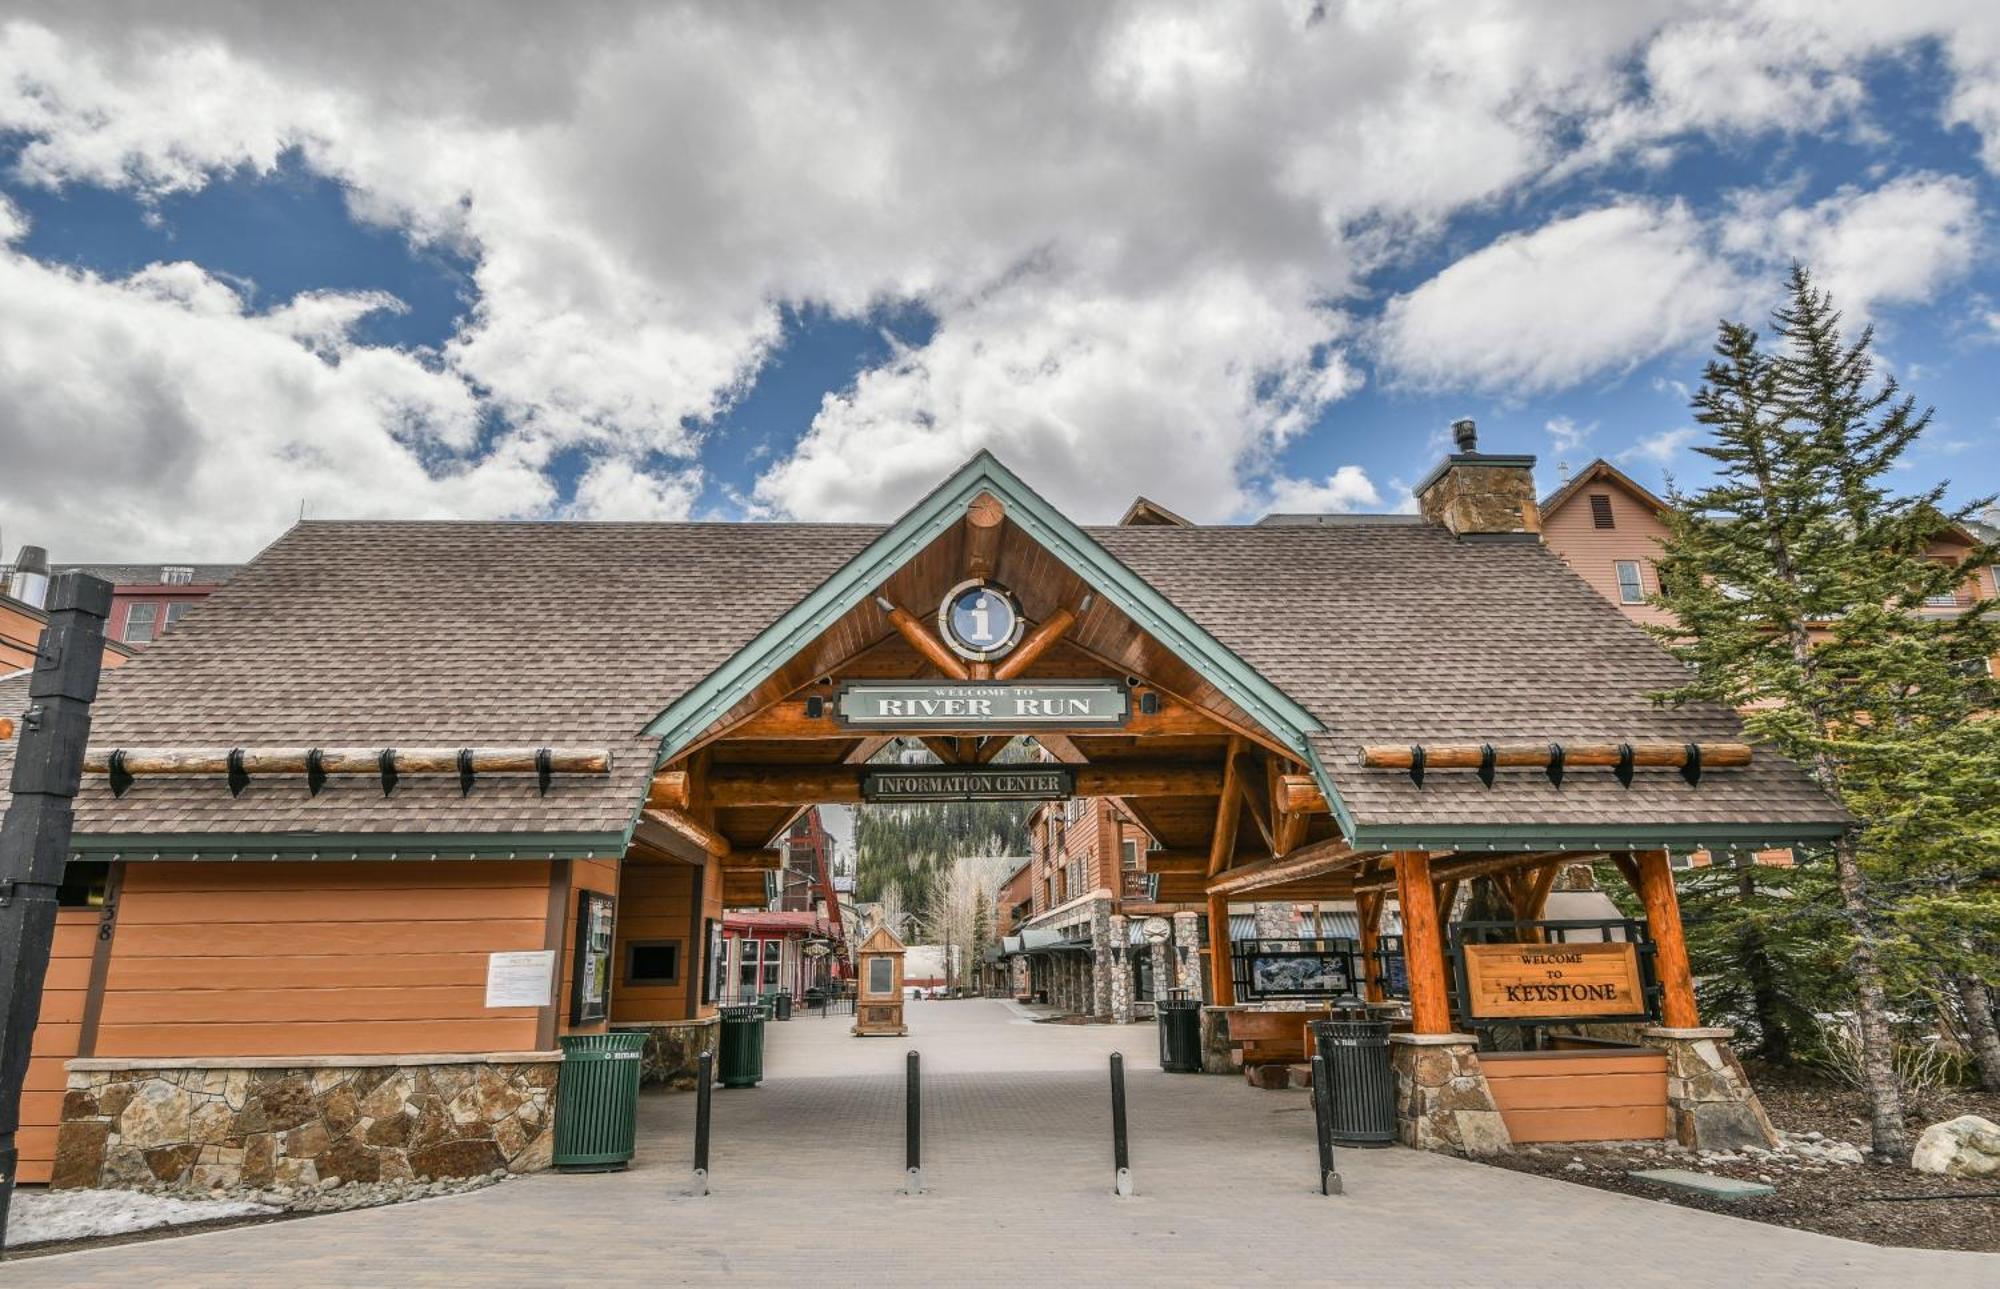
(1360, 1078)
(597, 1101)
(740, 1049)
(1180, 1035)
(785, 1005)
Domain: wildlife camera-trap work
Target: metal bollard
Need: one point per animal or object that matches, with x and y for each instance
(1121, 1154)
(1322, 1094)
(913, 1130)
(704, 1084)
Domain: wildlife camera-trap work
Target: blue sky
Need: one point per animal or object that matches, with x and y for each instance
(280, 280)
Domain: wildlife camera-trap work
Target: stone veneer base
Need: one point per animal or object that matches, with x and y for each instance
(1443, 1102)
(292, 1121)
(1710, 1103)
(672, 1058)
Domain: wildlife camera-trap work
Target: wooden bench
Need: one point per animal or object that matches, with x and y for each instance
(1274, 1037)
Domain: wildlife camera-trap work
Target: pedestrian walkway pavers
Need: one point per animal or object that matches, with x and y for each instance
(807, 1170)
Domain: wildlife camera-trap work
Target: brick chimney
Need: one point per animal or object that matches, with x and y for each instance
(1480, 496)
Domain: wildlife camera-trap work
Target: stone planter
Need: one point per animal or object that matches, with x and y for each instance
(288, 1121)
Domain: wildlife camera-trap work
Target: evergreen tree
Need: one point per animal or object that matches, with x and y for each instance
(1799, 579)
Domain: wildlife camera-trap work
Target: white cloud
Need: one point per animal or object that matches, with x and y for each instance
(154, 413)
(1661, 448)
(1895, 244)
(1142, 228)
(1592, 293)
(1565, 435)
(1346, 490)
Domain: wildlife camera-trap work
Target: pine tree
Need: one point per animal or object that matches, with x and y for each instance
(1798, 580)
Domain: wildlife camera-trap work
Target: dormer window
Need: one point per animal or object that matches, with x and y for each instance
(1600, 511)
(176, 575)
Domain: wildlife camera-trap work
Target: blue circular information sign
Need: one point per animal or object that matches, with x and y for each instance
(979, 620)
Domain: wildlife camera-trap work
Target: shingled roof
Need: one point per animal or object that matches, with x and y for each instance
(377, 634)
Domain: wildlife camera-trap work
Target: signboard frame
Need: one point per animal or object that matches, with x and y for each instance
(1261, 967)
(1058, 783)
(1557, 935)
(989, 691)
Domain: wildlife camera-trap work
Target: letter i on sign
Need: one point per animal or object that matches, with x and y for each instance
(980, 619)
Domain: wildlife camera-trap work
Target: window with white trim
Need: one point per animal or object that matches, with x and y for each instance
(141, 617)
(1631, 582)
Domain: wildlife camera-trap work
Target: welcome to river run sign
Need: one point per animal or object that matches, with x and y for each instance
(987, 706)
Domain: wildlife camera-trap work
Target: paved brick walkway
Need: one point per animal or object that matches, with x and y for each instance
(1018, 1161)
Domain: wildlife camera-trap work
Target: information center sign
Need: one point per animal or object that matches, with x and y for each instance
(949, 783)
(986, 706)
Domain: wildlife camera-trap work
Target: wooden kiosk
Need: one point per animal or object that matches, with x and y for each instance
(878, 1004)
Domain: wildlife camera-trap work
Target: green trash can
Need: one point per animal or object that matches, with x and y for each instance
(597, 1101)
(740, 1053)
(1180, 1034)
(768, 1004)
(784, 1004)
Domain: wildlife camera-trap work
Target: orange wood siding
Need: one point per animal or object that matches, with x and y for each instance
(585, 875)
(655, 902)
(318, 959)
(1591, 1095)
(55, 1040)
(1593, 553)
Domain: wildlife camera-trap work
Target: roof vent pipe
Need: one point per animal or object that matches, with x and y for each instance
(30, 583)
(1465, 434)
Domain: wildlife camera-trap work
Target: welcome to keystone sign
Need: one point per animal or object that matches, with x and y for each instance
(996, 706)
(945, 783)
(1553, 981)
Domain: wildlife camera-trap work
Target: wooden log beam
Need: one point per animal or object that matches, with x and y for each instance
(1039, 641)
(1319, 858)
(1222, 844)
(1256, 789)
(1463, 868)
(989, 748)
(1221, 981)
(1467, 756)
(1670, 954)
(1300, 794)
(670, 790)
(1423, 944)
(1368, 909)
(985, 519)
(743, 888)
(762, 861)
(1191, 862)
(944, 749)
(926, 644)
(142, 761)
(693, 830)
(787, 785)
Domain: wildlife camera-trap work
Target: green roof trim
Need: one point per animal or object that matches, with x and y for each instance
(1583, 837)
(683, 721)
(416, 846)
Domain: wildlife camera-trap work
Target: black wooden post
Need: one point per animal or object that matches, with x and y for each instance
(703, 1089)
(1121, 1153)
(34, 839)
(913, 1128)
(1322, 1094)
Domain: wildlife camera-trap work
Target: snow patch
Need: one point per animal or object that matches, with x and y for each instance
(40, 1216)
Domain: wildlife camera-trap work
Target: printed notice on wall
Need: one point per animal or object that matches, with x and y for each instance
(520, 979)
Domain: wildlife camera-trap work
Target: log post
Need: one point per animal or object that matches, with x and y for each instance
(1423, 946)
(1221, 984)
(1368, 907)
(1670, 955)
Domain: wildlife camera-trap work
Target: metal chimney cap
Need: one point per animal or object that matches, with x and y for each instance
(1465, 434)
(32, 559)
